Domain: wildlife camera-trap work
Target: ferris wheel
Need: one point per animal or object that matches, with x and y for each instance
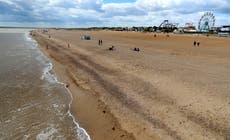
(206, 22)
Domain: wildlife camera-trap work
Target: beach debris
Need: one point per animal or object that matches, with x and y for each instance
(104, 111)
(68, 45)
(113, 128)
(111, 48)
(86, 37)
(122, 135)
(155, 35)
(136, 49)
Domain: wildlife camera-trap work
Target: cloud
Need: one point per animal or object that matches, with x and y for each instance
(181, 5)
(123, 9)
(84, 13)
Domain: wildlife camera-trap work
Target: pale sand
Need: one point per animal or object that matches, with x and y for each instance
(168, 90)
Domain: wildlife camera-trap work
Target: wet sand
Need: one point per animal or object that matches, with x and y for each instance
(168, 90)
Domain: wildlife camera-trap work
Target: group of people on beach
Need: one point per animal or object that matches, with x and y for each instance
(136, 49)
(100, 42)
(196, 43)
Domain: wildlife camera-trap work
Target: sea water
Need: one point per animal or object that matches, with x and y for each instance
(33, 103)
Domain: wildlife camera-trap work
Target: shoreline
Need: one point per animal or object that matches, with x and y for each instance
(96, 123)
(82, 132)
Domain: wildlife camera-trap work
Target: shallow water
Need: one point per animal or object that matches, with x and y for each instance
(33, 104)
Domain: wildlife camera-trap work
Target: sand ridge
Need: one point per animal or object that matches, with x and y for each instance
(168, 90)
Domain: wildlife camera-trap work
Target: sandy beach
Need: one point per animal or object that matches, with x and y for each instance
(170, 89)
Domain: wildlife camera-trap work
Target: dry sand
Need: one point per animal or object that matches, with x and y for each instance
(168, 90)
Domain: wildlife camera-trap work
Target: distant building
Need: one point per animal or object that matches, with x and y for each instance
(225, 28)
(189, 27)
(224, 31)
(137, 29)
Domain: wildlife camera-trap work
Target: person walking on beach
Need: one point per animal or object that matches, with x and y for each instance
(194, 43)
(101, 42)
(198, 44)
(68, 45)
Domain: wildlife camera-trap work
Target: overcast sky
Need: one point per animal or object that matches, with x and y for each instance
(88, 13)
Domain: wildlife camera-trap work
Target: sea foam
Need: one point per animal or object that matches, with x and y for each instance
(50, 76)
